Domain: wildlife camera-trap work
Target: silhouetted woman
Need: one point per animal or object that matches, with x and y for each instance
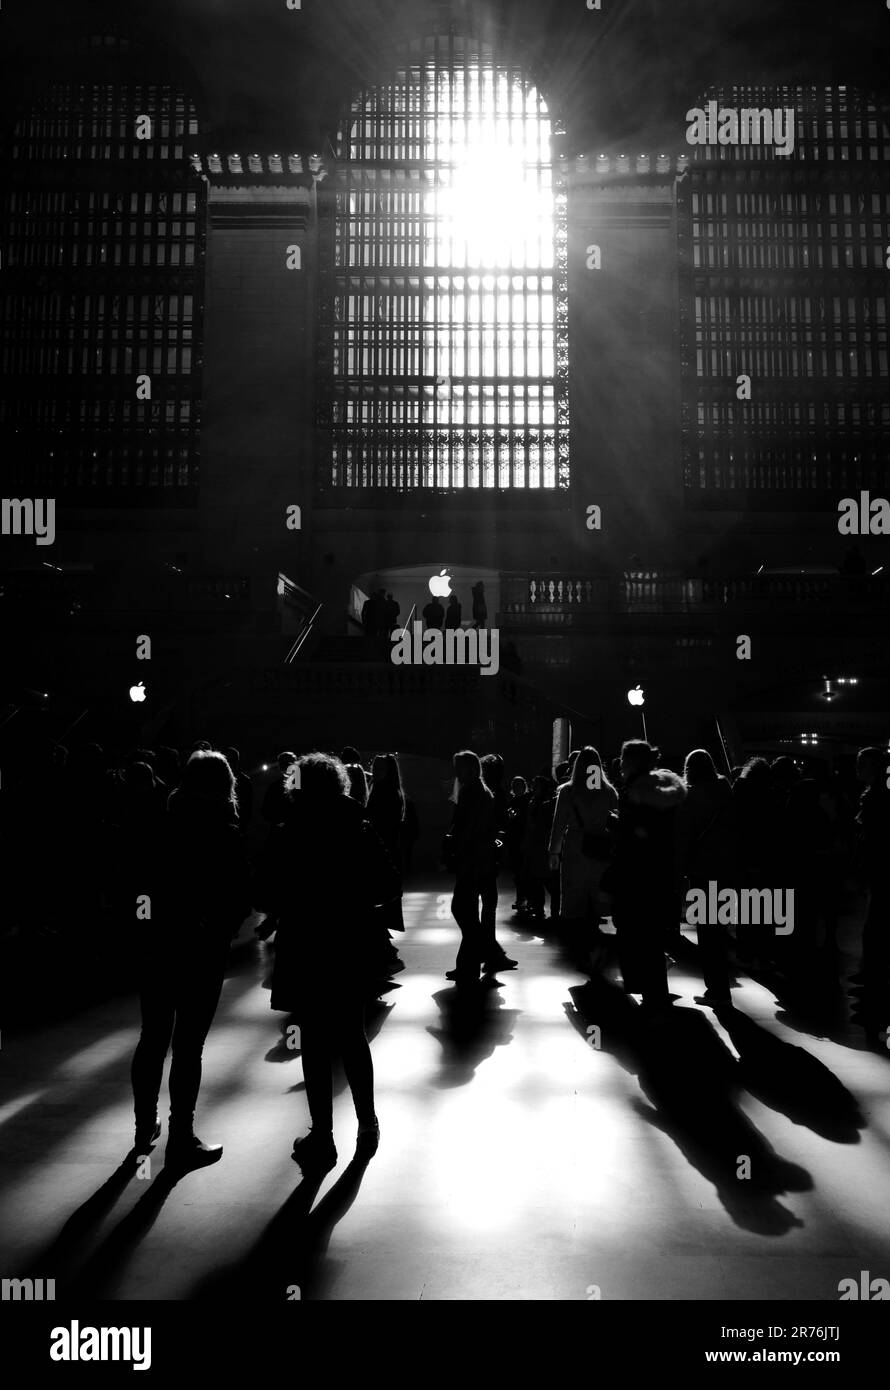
(324, 870)
(537, 874)
(199, 896)
(517, 810)
(707, 852)
(581, 844)
(470, 852)
(386, 812)
(643, 876)
(358, 783)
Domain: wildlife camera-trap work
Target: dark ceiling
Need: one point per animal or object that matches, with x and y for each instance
(269, 76)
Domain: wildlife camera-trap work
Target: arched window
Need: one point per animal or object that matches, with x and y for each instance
(444, 299)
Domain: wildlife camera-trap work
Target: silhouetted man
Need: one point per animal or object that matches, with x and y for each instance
(434, 614)
(392, 614)
(453, 612)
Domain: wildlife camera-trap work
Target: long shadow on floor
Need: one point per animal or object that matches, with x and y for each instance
(60, 1255)
(474, 1022)
(691, 1079)
(104, 1267)
(291, 1253)
(790, 1079)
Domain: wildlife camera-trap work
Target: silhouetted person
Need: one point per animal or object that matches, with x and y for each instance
(643, 877)
(358, 782)
(470, 853)
(707, 851)
(517, 811)
(374, 614)
(536, 874)
(199, 897)
(323, 872)
(243, 789)
(453, 612)
(582, 843)
(386, 812)
(349, 755)
(480, 607)
(392, 610)
(410, 834)
(434, 614)
(493, 772)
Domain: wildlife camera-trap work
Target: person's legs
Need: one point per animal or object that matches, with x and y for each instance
(317, 1057)
(197, 999)
(357, 1063)
(158, 1014)
(713, 948)
(465, 910)
(489, 896)
(535, 895)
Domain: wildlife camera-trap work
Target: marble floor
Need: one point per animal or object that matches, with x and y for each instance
(524, 1154)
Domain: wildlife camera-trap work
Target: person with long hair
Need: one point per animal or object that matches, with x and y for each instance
(199, 895)
(493, 773)
(358, 783)
(581, 844)
(470, 852)
(644, 880)
(517, 811)
(386, 812)
(324, 870)
(536, 867)
(707, 852)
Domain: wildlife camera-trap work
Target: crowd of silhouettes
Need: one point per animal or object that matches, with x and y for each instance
(628, 842)
(181, 845)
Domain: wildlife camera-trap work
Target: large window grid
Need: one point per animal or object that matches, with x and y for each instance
(783, 278)
(444, 306)
(102, 281)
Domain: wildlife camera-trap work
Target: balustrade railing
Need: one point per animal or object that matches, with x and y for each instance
(558, 600)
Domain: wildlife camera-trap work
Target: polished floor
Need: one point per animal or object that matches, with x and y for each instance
(519, 1159)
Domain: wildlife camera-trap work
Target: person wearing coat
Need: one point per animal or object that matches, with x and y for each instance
(323, 872)
(199, 891)
(470, 850)
(643, 876)
(581, 843)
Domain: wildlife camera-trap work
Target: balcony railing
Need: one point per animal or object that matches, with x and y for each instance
(558, 600)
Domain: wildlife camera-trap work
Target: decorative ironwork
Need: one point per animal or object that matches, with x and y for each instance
(443, 361)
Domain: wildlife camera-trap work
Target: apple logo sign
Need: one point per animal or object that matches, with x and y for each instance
(635, 696)
(440, 584)
(137, 693)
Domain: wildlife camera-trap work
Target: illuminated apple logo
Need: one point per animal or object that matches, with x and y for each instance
(137, 693)
(636, 696)
(440, 584)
